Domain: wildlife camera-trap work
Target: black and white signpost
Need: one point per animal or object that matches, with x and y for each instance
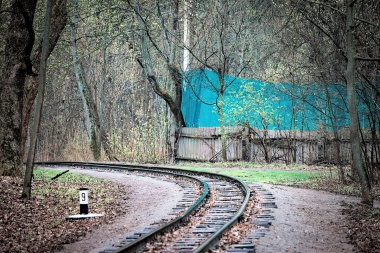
(83, 207)
(83, 201)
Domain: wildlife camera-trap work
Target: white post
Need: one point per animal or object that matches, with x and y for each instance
(83, 205)
(83, 200)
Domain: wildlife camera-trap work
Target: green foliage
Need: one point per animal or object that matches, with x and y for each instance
(255, 108)
(45, 174)
(374, 212)
(350, 190)
(313, 177)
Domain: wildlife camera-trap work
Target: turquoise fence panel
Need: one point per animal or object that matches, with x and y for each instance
(274, 106)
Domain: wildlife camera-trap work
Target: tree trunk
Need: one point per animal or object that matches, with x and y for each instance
(169, 38)
(97, 134)
(186, 34)
(221, 72)
(100, 136)
(336, 137)
(15, 66)
(78, 72)
(221, 118)
(84, 92)
(102, 99)
(357, 156)
(27, 187)
(58, 23)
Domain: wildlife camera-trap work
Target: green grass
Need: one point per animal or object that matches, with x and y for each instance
(69, 177)
(45, 174)
(66, 185)
(257, 165)
(266, 176)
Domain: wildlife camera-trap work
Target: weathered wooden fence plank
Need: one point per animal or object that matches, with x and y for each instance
(306, 147)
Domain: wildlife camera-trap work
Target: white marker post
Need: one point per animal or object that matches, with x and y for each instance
(83, 207)
(83, 200)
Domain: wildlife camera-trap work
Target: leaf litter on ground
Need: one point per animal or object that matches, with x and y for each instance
(39, 224)
(364, 226)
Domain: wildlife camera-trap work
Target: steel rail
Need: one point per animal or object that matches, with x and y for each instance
(170, 225)
(139, 243)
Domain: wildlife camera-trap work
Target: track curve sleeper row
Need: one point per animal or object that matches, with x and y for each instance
(224, 208)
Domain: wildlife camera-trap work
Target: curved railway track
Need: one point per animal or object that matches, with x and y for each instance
(202, 219)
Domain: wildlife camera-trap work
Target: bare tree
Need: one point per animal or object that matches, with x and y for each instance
(167, 51)
(219, 45)
(342, 30)
(357, 154)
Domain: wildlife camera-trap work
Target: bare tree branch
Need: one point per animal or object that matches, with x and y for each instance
(342, 12)
(366, 59)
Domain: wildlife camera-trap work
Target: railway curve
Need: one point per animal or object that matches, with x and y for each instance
(223, 203)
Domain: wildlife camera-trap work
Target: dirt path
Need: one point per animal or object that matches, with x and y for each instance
(306, 221)
(151, 199)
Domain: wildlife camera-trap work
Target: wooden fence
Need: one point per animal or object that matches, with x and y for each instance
(305, 147)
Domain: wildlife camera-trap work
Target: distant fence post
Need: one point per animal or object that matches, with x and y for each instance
(245, 144)
(299, 152)
(321, 150)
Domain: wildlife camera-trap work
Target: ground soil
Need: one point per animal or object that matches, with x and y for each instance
(307, 221)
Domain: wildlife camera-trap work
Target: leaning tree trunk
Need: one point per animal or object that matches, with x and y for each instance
(19, 39)
(58, 23)
(357, 156)
(96, 133)
(27, 187)
(79, 76)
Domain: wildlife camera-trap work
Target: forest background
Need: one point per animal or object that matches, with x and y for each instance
(116, 70)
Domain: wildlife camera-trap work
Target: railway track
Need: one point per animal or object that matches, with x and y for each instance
(203, 218)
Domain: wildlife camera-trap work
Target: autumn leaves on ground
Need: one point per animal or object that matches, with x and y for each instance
(39, 225)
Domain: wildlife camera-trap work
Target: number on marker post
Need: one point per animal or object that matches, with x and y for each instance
(83, 200)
